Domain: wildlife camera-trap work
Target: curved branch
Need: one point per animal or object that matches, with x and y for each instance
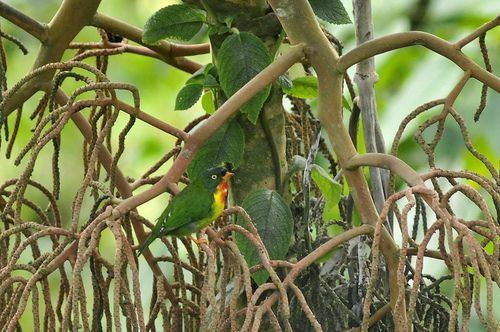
(386, 161)
(404, 39)
(375, 318)
(71, 17)
(170, 53)
(325, 248)
(478, 32)
(155, 122)
(111, 49)
(23, 21)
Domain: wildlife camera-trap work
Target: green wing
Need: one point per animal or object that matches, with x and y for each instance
(189, 206)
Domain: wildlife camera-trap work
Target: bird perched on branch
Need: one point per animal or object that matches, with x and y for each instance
(194, 208)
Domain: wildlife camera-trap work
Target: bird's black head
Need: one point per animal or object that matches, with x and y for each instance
(212, 177)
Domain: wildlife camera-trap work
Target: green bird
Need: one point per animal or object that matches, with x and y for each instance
(194, 208)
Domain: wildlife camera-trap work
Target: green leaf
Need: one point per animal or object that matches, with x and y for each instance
(202, 79)
(206, 76)
(345, 104)
(207, 102)
(210, 69)
(303, 87)
(224, 26)
(176, 21)
(210, 82)
(240, 58)
(332, 11)
(228, 21)
(226, 145)
(188, 96)
(197, 78)
(489, 247)
(285, 82)
(330, 189)
(274, 222)
(217, 30)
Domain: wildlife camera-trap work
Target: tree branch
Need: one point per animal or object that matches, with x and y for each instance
(123, 187)
(376, 317)
(326, 248)
(69, 20)
(210, 126)
(478, 32)
(315, 255)
(294, 16)
(155, 122)
(169, 52)
(404, 39)
(365, 79)
(387, 161)
(23, 21)
(95, 49)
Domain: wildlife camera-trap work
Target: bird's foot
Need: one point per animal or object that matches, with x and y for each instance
(198, 242)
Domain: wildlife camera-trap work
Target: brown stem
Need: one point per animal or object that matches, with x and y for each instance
(23, 21)
(478, 32)
(325, 248)
(294, 16)
(315, 255)
(392, 163)
(69, 20)
(123, 187)
(157, 123)
(404, 39)
(112, 49)
(170, 52)
(377, 316)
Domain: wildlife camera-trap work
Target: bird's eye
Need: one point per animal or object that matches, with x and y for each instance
(214, 177)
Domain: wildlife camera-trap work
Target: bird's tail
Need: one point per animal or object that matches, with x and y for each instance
(146, 243)
(156, 232)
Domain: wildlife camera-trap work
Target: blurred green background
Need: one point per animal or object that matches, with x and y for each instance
(408, 78)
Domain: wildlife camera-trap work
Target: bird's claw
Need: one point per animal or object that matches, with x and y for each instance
(198, 242)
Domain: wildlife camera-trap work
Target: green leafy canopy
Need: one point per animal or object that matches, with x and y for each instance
(241, 57)
(179, 22)
(274, 222)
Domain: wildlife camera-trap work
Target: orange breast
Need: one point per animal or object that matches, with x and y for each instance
(220, 195)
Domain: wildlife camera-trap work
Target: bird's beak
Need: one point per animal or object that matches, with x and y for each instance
(227, 175)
